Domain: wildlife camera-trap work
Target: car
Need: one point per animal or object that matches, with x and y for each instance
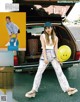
(68, 34)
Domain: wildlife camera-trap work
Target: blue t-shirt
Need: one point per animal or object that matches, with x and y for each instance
(12, 28)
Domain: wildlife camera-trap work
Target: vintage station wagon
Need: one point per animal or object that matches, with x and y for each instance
(68, 34)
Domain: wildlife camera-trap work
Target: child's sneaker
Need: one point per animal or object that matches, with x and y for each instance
(8, 44)
(14, 43)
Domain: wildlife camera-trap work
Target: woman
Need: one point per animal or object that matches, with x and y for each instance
(49, 42)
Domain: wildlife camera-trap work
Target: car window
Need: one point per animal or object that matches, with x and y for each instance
(35, 30)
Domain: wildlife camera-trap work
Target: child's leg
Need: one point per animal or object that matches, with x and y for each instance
(16, 36)
(60, 75)
(10, 36)
(16, 39)
(8, 44)
(38, 76)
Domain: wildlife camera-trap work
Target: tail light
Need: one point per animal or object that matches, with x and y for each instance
(15, 60)
(77, 57)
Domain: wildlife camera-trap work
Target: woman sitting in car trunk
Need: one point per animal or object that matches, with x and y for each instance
(49, 42)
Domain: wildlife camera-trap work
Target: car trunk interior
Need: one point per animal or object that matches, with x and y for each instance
(33, 44)
(36, 15)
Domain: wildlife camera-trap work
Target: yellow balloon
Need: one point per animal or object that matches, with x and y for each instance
(63, 53)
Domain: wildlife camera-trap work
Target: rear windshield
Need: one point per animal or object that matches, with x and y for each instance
(35, 30)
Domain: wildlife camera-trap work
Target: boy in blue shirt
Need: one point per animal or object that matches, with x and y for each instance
(12, 29)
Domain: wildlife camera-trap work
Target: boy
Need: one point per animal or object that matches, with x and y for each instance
(12, 29)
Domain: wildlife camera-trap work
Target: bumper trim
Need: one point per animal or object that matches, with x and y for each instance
(36, 65)
(71, 62)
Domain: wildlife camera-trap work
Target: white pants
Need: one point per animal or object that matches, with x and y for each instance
(41, 68)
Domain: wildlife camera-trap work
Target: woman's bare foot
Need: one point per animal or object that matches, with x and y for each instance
(72, 91)
(30, 94)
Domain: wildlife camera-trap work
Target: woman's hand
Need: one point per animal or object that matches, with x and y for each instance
(58, 61)
(46, 61)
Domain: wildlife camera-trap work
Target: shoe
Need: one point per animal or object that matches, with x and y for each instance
(30, 94)
(72, 92)
(8, 44)
(14, 43)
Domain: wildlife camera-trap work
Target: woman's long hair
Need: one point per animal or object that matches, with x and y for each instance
(52, 36)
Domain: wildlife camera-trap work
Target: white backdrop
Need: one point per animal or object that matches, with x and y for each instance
(6, 58)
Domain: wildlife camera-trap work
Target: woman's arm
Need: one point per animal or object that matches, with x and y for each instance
(44, 48)
(56, 45)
